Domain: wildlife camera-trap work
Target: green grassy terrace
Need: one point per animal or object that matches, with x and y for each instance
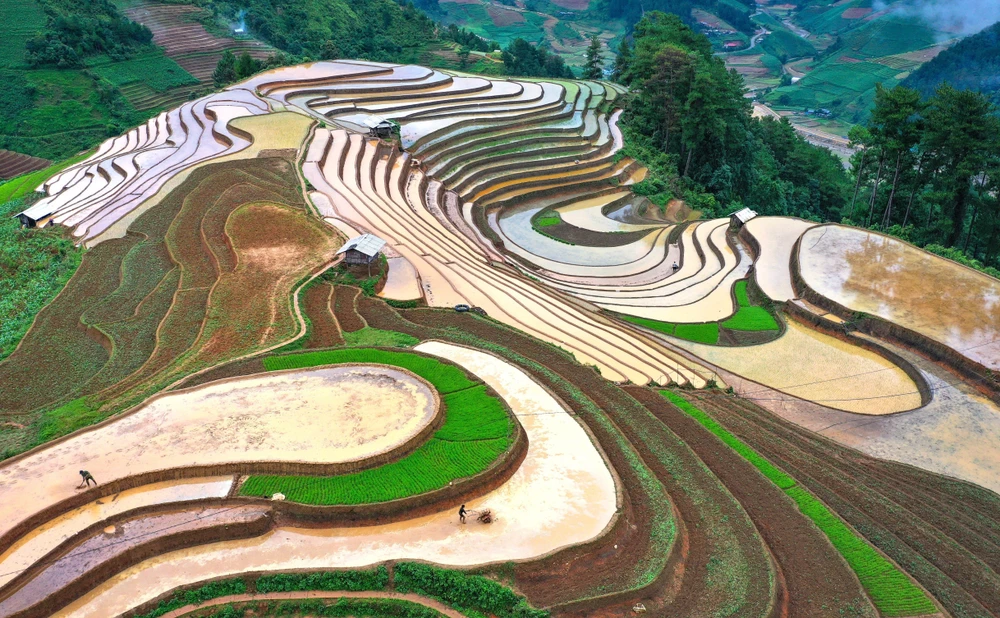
(477, 430)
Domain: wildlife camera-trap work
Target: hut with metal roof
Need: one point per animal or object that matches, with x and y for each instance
(378, 126)
(362, 250)
(739, 218)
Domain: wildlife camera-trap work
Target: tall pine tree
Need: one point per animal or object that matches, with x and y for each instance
(594, 67)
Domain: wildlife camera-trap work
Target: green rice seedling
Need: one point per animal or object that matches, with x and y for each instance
(354, 580)
(476, 431)
(751, 319)
(699, 333)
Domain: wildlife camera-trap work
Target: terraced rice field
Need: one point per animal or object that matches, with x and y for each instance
(575, 512)
(265, 418)
(323, 416)
(187, 43)
(871, 273)
(15, 164)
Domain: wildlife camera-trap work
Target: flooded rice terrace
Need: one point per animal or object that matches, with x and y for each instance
(871, 273)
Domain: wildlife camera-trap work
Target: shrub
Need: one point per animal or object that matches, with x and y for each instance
(209, 591)
(467, 593)
(354, 580)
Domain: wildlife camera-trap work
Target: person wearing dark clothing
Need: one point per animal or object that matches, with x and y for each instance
(87, 478)
(461, 514)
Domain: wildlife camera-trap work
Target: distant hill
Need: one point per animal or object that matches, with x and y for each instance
(973, 63)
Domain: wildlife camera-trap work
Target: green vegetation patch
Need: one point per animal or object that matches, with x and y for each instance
(369, 337)
(21, 186)
(21, 20)
(476, 431)
(156, 70)
(753, 319)
(474, 595)
(67, 418)
(35, 265)
(890, 589)
(748, 317)
(699, 333)
(355, 580)
(548, 219)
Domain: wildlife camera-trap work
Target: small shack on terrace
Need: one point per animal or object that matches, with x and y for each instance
(378, 127)
(39, 215)
(362, 250)
(739, 218)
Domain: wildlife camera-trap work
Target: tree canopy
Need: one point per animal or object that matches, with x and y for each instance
(685, 104)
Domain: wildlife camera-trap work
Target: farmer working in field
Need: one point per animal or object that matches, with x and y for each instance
(461, 514)
(87, 478)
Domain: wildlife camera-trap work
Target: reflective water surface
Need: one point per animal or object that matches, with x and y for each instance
(868, 272)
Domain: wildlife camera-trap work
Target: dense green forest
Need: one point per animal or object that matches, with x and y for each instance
(78, 29)
(928, 171)
(689, 121)
(380, 30)
(972, 64)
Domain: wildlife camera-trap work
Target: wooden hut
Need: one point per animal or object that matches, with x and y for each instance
(378, 127)
(739, 218)
(362, 250)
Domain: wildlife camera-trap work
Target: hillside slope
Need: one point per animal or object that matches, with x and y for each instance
(972, 64)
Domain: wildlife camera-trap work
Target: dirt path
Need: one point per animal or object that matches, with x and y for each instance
(318, 594)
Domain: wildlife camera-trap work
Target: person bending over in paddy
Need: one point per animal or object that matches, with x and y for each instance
(461, 513)
(87, 478)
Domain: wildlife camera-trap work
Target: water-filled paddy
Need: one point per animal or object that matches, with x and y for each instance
(867, 272)
(323, 415)
(818, 368)
(776, 236)
(562, 493)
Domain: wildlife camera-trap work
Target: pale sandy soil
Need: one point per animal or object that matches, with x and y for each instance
(956, 434)
(776, 236)
(401, 283)
(31, 547)
(562, 494)
(270, 132)
(875, 274)
(817, 368)
(327, 415)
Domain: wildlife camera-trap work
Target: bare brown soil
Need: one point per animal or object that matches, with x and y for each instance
(856, 13)
(345, 308)
(944, 532)
(819, 582)
(504, 17)
(325, 331)
(14, 164)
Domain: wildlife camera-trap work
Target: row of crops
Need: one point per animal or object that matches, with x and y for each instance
(891, 591)
(476, 431)
(473, 595)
